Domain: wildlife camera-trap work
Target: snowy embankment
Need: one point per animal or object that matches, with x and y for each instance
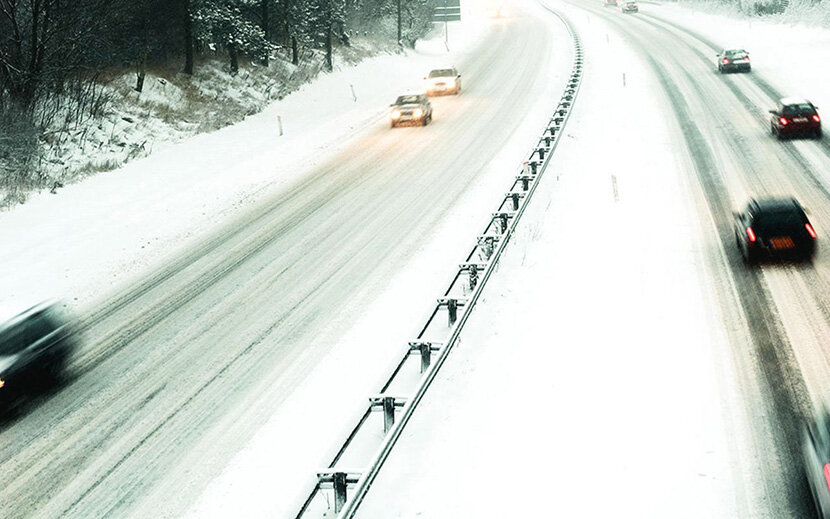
(93, 236)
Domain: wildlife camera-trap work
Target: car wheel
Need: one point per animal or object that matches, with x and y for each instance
(392, 125)
(817, 134)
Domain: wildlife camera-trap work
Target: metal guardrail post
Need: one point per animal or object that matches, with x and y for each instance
(388, 413)
(452, 308)
(473, 275)
(425, 349)
(339, 482)
(387, 404)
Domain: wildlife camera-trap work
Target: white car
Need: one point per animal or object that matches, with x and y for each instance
(443, 81)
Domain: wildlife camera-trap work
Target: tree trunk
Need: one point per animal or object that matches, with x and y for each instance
(266, 26)
(295, 50)
(140, 72)
(399, 23)
(188, 39)
(329, 63)
(234, 59)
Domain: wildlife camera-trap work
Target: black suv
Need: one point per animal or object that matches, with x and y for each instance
(34, 349)
(774, 227)
(795, 116)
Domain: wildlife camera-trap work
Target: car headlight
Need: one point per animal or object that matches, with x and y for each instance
(417, 113)
(396, 114)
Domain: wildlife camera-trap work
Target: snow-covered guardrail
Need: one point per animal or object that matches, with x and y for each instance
(428, 351)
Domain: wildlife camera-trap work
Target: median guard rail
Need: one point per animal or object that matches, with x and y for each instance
(340, 488)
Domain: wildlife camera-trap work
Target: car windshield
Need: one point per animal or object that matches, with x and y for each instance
(444, 72)
(407, 100)
(799, 109)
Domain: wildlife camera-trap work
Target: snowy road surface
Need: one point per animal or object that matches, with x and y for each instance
(180, 370)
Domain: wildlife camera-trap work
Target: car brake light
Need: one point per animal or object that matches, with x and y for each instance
(827, 474)
(751, 235)
(810, 230)
(783, 121)
(725, 61)
(816, 118)
(2, 382)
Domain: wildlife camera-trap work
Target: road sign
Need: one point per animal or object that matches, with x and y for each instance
(447, 11)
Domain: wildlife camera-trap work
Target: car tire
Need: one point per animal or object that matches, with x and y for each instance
(392, 125)
(817, 134)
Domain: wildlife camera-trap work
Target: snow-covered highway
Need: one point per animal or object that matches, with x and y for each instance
(624, 360)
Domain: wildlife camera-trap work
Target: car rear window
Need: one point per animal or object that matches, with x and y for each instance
(799, 109)
(736, 53)
(444, 72)
(779, 219)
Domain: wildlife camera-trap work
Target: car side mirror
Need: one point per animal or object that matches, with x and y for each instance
(772, 112)
(459, 75)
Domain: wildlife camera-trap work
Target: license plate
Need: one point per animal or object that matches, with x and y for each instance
(800, 119)
(782, 243)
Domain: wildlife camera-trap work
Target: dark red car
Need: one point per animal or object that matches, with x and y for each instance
(795, 116)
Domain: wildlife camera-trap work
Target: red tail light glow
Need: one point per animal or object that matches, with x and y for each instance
(810, 230)
(725, 61)
(827, 474)
(816, 118)
(751, 235)
(783, 121)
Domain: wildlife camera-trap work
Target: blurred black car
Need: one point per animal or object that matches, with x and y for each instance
(795, 116)
(774, 227)
(35, 347)
(411, 108)
(815, 451)
(731, 60)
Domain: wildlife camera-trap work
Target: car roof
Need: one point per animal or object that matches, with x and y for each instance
(775, 204)
(413, 93)
(794, 101)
